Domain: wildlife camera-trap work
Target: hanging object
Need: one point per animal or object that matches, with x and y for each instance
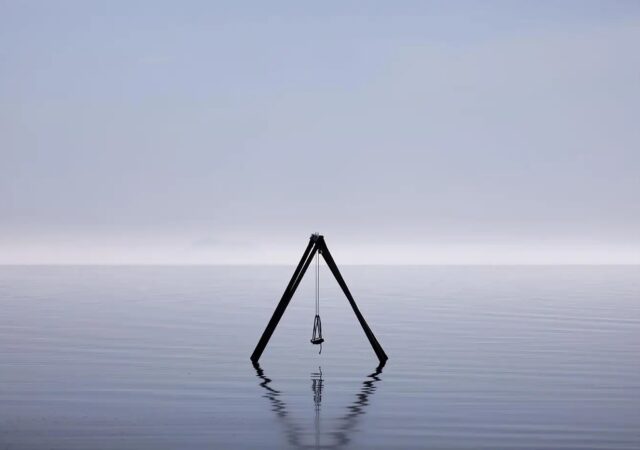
(316, 335)
(316, 244)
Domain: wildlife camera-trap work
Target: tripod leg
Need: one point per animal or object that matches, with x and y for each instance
(306, 259)
(382, 356)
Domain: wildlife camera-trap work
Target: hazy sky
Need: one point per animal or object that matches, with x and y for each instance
(405, 132)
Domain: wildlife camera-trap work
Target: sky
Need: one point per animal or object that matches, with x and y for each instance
(147, 132)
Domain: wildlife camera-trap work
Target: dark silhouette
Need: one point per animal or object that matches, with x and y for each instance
(347, 423)
(316, 244)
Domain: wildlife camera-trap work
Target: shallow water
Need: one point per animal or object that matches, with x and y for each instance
(480, 357)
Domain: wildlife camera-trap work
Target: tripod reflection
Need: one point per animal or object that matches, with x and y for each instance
(339, 438)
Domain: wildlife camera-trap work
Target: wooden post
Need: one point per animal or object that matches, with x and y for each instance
(306, 259)
(326, 254)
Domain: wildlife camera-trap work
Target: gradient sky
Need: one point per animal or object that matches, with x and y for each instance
(405, 132)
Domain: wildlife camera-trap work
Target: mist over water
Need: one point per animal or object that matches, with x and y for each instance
(406, 132)
(480, 357)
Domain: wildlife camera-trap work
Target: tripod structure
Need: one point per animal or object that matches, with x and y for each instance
(316, 244)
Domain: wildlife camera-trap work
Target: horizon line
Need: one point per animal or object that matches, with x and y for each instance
(292, 264)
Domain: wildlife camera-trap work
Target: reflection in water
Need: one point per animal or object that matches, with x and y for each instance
(316, 387)
(347, 422)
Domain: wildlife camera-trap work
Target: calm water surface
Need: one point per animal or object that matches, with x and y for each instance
(480, 357)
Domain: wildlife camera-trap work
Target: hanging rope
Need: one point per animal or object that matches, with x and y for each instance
(318, 284)
(316, 336)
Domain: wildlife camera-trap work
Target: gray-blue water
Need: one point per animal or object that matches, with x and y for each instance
(480, 357)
